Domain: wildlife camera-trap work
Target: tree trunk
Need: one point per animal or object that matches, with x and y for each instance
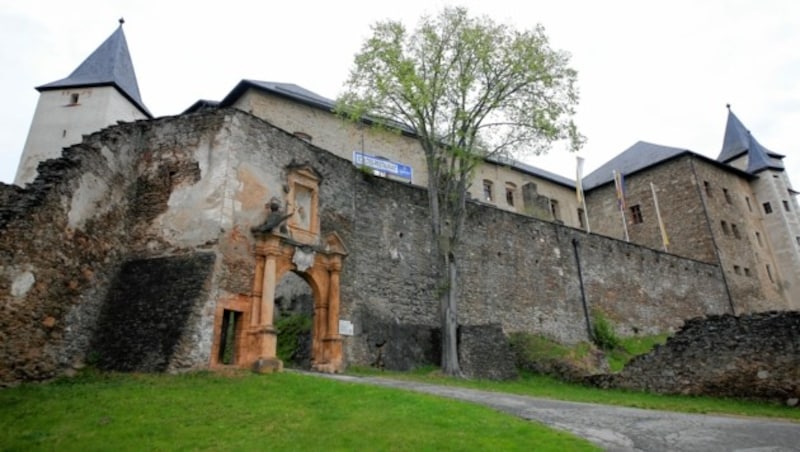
(448, 305)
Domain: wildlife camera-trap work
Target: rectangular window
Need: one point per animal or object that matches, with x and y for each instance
(735, 230)
(769, 273)
(749, 207)
(786, 205)
(725, 229)
(758, 239)
(487, 191)
(727, 196)
(582, 221)
(767, 208)
(737, 269)
(73, 98)
(636, 214)
(798, 239)
(510, 189)
(746, 271)
(707, 187)
(554, 210)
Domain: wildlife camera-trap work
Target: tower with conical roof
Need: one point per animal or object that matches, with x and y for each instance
(776, 204)
(100, 92)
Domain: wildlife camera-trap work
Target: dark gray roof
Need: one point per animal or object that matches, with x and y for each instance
(109, 65)
(738, 140)
(636, 158)
(758, 158)
(532, 170)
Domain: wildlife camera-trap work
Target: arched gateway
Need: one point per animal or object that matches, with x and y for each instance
(287, 242)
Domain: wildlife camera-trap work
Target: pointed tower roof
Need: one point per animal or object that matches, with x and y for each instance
(109, 65)
(738, 140)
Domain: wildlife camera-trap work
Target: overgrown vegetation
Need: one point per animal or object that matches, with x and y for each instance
(291, 330)
(603, 331)
(243, 411)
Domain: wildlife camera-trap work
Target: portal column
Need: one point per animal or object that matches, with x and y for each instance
(333, 342)
(262, 331)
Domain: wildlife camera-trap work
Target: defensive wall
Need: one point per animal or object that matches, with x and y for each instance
(173, 200)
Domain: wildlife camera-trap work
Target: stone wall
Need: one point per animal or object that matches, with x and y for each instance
(705, 211)
(198, 183)
(148, 312)
(752, 356)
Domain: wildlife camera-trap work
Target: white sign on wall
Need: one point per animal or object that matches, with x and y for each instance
(345, 327)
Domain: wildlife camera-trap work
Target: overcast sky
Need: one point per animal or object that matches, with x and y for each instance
(654, 71)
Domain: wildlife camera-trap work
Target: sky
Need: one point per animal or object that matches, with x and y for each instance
(656, 71)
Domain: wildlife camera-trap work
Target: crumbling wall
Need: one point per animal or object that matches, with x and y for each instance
(753, 356)
(64, 236)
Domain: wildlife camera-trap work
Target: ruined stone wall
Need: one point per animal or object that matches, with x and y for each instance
(198, 183)
(751, 356)
(64, 237)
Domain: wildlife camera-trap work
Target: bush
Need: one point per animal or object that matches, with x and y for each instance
(603, 331)
(291, 329)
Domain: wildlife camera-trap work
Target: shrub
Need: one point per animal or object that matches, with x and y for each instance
(603, 331)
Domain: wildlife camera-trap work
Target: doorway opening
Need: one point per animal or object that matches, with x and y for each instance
(294, 320)
(230, 332)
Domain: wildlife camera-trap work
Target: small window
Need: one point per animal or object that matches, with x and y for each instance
(488, 195)
(786, 205)
(64, 133)
(636, 214)
(73, 98)
(228, 335)
(554, 210)
(767, 208)
(582, 220)
(737, 269)
(727, 195)
(746, 271)
(510, 189)
(758, 239)
(707, 187)
(725, 229)
(769, 273)
(747, 200)
(735, 230)
(798, 239)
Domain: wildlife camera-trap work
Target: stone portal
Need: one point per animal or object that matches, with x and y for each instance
(252, 342)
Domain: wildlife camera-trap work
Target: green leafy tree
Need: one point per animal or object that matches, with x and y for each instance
(470, 89)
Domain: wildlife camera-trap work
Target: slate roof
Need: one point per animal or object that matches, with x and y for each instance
(109, 65)
(641, 156)
(738, 140)
(636, 158)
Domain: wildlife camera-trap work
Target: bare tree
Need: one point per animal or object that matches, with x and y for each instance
(471, 89)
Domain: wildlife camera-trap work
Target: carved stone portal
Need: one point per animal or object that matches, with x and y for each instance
(318, 262)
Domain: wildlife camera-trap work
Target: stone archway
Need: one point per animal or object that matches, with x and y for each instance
(320, 266)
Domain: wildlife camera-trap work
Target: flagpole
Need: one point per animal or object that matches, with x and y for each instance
(664, 237)
(581, 197)
(621, 202)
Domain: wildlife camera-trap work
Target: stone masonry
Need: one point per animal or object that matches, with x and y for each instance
(197, 183)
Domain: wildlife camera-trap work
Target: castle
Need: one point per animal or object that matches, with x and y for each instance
(141, 243)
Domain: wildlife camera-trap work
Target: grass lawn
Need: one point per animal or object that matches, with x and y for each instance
(244, 411)
(548, 387)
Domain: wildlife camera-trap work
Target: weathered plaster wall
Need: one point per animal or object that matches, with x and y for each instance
(198, 183)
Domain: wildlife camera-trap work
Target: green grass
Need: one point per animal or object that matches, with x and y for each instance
(548, 387)
(631, 347)
(251, 412)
